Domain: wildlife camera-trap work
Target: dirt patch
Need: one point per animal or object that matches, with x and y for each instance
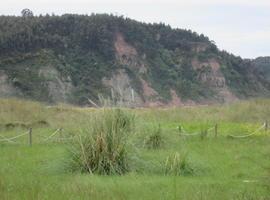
(148, 91)
(123, 49)
(213, 63)
(176, 101)
(127, 55)
(214, 79)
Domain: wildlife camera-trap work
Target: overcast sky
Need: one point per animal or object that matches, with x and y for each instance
(238, 26)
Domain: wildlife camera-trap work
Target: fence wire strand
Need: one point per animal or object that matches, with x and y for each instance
(12, 138)
(244, 136)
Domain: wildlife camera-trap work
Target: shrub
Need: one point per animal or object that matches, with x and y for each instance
(204, 134)
(203, 130)
(103, 150)
(154, 141)
(178, 165)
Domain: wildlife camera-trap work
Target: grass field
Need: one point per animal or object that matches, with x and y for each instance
(222, 167)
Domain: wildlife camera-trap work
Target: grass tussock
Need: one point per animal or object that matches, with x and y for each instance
(103, 149)
(204, 127)
(155, 140)
(178, 165)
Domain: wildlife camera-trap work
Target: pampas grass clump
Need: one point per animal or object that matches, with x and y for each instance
(103, 149)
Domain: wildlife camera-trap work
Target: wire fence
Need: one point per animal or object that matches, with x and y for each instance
(4, 139)
(204, 132)
(185, 133)
(52, 137)
(248, 135)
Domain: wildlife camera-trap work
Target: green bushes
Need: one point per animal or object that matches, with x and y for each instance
(103, 150)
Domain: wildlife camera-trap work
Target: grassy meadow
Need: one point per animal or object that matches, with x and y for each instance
(164, 162)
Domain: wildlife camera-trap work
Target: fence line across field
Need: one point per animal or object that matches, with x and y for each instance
(12, 138)
(193, 134)
(63, 139)
(5, 139)
(248, 135)
(185, 133)
(53, 134)
(59, 130)
(29, 132)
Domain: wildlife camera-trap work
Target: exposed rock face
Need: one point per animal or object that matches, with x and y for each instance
(211, 75)
(60, 88)
(120, 82)
(175, 99)
(151, 96)
(127, 55)
(6, 88)
(122, 91)
(123, 49)
(148, 91)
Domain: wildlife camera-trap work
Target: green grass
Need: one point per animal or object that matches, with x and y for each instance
(222, 168)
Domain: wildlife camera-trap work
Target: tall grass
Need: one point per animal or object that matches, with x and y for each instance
(177, 165)
(154, 140)
(67, 117)
(239, 112)
(204, 130)
(103, 149)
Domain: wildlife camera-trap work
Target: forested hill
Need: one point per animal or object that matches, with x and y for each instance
(80, 58)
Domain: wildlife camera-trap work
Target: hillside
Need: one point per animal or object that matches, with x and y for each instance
(262, 68)
(74, 58)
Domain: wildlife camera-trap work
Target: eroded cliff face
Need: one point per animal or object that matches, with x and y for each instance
(127, 55)
(6, 87)
(129, 84)
(55, 87)
(122, 90)
(209, 73)
(120, 82)
(59, 88)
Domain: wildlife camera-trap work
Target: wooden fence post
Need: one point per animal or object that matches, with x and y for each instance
(30, 136)
(60, 134)
(216, 130)
(266, 126)
(180, 129)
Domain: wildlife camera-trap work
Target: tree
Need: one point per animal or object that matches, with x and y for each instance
(27, 13)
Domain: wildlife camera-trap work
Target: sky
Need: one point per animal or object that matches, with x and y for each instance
(241, 27)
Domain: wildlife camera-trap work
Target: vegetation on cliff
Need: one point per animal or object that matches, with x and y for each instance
(83, 51)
